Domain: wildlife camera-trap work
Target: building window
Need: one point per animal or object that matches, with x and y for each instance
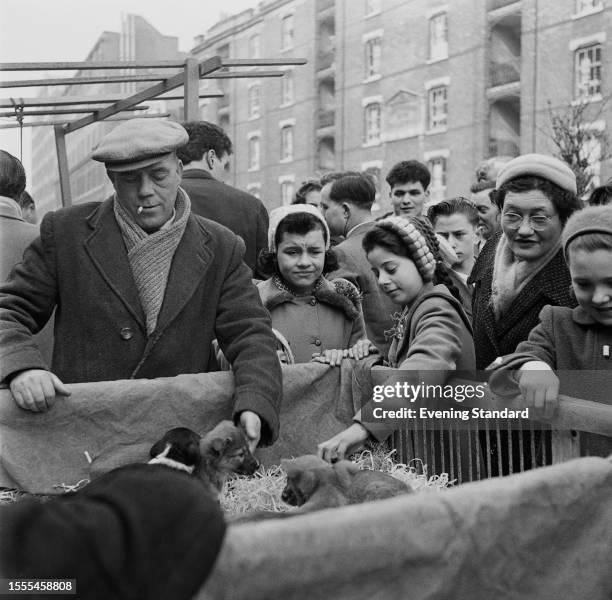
(286, 192)
(287, 87)
(287, 143)
(254, 101)
(438, 37)
(588, 71)
(438, 108)
(254, 153)
(287, 32)
(372, 123)
(255, 46)
(372, 7)
(437, 168)
(588, 5)
(372, 57)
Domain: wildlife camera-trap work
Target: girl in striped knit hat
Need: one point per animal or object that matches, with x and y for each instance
(432, 336)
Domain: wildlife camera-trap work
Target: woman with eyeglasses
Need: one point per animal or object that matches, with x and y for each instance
(525, 270)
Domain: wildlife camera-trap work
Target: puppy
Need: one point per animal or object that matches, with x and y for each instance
(211, 458)
(313, 484)
(225, 450)
(178, 449)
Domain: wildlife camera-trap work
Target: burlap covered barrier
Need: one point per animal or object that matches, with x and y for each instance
(543, 534)
(115, 423)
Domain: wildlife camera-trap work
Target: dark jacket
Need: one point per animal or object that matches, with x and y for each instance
(80, 264)
(15, 236)
(567, 340)
(354, 266)
(240, 212)
(495, 338)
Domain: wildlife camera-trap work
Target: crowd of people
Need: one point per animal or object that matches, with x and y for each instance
(178, 272)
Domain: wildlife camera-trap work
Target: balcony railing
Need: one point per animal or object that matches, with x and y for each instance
(502, 73)
(499, 147)
(325, 4)
(326, 118)
(325, 59)
(493, 4)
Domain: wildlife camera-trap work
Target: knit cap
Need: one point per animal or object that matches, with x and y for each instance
(278, 214)
(419, 239)
(542, 165)
(593, 219)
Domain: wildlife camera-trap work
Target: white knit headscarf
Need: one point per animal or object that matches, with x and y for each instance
(278, 214)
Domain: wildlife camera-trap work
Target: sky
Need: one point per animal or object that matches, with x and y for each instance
(66, 30)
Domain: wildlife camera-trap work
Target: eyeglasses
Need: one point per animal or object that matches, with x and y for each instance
(536, 222)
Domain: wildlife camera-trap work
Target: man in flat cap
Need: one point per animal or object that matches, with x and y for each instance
(142, 287)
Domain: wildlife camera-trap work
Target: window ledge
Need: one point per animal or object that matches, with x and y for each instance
(372, 14)
(286, 104)
(435, 131)
(371, 144)
(286, 160)
(287, 49)
(372, 78)
(587, 99)
(587, 12)
(253, 169)
(254, 117)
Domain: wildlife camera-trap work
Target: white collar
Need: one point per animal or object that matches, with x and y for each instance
(170, 221)
(358, 225)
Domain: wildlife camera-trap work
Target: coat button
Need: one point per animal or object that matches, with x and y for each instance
(317, 342)
(126, 333)
(313, 302)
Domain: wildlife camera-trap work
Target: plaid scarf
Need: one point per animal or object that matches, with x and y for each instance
(150, 255)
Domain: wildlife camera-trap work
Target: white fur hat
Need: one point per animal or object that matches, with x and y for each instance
(278, 214)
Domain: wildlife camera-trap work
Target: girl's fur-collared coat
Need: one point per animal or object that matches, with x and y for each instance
(329, 318)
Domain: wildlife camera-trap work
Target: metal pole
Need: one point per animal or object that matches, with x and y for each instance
(191, 103)
(208, 66)
(62, 163)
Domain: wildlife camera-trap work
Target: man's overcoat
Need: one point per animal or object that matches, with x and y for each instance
(80, 265)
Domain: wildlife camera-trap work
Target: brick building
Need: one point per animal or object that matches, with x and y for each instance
(448, 83)
(138, 40)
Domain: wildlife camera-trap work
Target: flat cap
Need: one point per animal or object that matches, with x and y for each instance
(139, 143)
(542, 165)
(593, 219)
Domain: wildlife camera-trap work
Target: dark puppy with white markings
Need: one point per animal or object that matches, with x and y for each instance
(213, 457)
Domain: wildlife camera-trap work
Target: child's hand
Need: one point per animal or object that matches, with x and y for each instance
(361, 349)
(331, 357)
(343, 444)
(540, 387)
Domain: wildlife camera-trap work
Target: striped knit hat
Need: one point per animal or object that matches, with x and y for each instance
(419, 239)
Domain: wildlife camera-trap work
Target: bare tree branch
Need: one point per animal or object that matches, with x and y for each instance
(578, 142)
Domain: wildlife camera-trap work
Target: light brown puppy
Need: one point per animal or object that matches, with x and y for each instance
(225, 450)
(313, 484)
